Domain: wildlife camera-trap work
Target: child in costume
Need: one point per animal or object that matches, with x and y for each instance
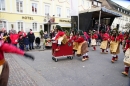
(127, 54)
(115, 45)
(60, 37)
(82, 46)
(104, 43)
(73, 37)
(93, 39)
(4, 67)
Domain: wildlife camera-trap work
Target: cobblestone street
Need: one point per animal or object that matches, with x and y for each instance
(97, 71)
(18, 76)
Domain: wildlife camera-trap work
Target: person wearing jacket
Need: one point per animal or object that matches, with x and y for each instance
(26, 43)
(82, 46)
(31, 37)
(21, 42)
(14, 38)
(104, 43)
(4, 67)
(60, 37)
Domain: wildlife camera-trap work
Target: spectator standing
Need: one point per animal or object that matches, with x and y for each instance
(31, 37)
(21, 42)
(14, 38)
(26, 43)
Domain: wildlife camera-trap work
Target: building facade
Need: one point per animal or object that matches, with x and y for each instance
(33, 14)
(120, 22)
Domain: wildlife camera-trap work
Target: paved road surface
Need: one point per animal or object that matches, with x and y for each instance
(97, 71)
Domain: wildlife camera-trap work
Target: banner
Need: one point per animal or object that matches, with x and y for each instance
(74, 8)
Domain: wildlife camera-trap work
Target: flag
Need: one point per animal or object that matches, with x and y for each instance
(74, 8)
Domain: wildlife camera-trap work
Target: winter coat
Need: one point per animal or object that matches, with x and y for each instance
(26, 41)
(31, 37)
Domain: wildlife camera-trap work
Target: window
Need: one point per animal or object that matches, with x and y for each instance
(47, 10)
(34, 8)
(19, 5)
(121, 10)
(20, 26)
(82, 2)
(118, 9)
(58, 12)
(2, 5)
(3, 24)
(34, 26)
(68, 13)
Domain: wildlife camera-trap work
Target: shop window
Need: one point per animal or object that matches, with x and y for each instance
(34, 26)
(2, 5)
(68, 13)
(3, 24)
(47, 10)
(58, 11)
(34, 8)
(19, 6)
(20, 26)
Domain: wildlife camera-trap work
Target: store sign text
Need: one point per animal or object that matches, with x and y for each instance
(64, 20)
(27, 17)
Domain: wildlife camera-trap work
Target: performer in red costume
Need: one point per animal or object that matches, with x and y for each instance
(104, 43)
(73, 37)
(127, 54)
(115, 45)
(60, 37)
(82, 46)
(93, 39)
(4, 68)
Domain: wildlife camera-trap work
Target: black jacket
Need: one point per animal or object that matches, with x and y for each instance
(31, 37)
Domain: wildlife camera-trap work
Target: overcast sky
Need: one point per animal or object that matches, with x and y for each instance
(124, 3)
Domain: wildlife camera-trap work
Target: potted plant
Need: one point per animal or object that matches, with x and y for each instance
(41, 33)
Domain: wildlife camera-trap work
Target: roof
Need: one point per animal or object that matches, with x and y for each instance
(117, 5)
(105, 13)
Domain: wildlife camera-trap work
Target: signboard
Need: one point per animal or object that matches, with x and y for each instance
(27, 18)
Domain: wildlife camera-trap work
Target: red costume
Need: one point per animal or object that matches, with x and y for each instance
(4, 47)
(127, 45)
(115, 39)
(105, 37)
(73, 38)
(59, 34)
(80, 39)
(22, 33)
(94, 36)
(14, 38)
(118, 38)
(8, 48)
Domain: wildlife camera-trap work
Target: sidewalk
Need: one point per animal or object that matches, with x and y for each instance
(21, 74)
(18, 76)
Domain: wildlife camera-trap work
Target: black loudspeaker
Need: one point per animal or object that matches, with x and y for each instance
(117, 26)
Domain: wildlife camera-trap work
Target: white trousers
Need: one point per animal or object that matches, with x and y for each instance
(86, 54)
(60, 40)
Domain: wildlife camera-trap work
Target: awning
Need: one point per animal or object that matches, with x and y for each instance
(65, 25)
(105, 13)
(111, 12)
